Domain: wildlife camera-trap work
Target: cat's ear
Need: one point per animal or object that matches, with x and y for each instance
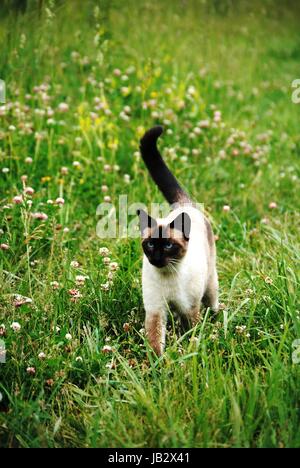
(146, 221)
(182, 223)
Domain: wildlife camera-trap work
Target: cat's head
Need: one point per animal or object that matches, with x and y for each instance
(164, 244)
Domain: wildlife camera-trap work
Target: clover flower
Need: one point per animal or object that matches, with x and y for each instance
(15, 326)
(40, 216)
(113, 266)
(30, 370)
(29, 191)
(104, 252)
(63, 107)
(64, 170)
(21, 300)
(107, 349)
(75, 294)
(117, 72)
(80, 280)
(60, 201)
(18, 199)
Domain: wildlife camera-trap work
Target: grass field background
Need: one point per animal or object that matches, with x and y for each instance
(83, 81)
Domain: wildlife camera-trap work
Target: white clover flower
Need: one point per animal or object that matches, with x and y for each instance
(18, 199)
(113, 266)
(203, 124)
(15, 326)
(63, 107)
(104, 252)
(117, 72)
(107, 349)
(110, 275)
(80, 279)
(68, 336)
(30, 370)
(40, 216)
(240, 329)
(60, 201)
(29, 191)
(20, 300)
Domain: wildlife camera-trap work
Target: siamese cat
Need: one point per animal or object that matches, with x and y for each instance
(179, 263)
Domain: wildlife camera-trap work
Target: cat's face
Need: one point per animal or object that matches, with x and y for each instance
(164, 245)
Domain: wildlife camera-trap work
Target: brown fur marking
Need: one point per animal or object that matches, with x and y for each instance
(209, 233)
(154, 332)
(194, 315)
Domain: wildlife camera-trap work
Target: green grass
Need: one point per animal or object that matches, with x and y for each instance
(231, 381)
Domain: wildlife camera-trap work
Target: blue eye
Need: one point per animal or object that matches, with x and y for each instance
(150, 244)
(168, 245)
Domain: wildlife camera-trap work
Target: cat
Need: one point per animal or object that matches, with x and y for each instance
(179, 262)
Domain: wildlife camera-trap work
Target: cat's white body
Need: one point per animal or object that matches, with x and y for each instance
(184, 285)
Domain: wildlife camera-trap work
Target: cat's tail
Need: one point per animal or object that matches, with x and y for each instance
(160, 173)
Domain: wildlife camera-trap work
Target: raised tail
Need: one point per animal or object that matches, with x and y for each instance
(160, 173)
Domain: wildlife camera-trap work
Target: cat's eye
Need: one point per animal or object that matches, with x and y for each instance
(150, 244)
(168, 245)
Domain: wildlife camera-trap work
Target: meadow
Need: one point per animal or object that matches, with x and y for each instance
(84, 80)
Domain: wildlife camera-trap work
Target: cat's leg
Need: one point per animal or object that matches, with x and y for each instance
(193, 314)
(211, 295)
(155, 325)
